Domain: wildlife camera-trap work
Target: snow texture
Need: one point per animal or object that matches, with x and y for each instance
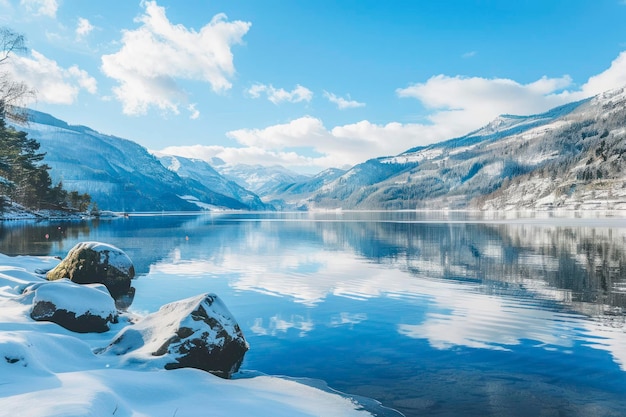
(79, 299)
(197, 332)
(120, 175)
(48, 371)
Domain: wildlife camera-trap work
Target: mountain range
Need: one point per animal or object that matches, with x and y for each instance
(121, 175)
(571, 157)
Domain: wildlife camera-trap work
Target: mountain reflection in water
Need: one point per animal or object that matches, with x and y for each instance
(440, 314)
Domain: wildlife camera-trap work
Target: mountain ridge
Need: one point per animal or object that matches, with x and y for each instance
(119, 174)
(569, 157)
(465, 172)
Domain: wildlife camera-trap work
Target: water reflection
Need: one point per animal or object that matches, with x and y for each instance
(570, 264)
(434, 315)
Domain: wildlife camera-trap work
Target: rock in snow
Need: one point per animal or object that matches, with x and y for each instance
(79, 308)
(198, 332)
(95, 262)
(46, 371)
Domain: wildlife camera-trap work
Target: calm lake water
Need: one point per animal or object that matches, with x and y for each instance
(433, 314)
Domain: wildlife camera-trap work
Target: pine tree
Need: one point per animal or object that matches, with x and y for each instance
(25, 179)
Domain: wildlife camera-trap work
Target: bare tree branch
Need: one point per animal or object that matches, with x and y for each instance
(13, 94)
(10, 41)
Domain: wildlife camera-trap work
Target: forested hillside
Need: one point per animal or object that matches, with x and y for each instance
(588, 169)
(24, 178)
(570, 157)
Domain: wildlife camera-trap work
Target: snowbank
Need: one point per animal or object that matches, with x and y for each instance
(46, 370)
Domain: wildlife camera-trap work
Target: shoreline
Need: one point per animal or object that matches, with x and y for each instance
(85, 383)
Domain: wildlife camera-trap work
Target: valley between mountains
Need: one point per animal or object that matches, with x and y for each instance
(571, 158)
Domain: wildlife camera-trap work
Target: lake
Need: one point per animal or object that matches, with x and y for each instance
(432, 314)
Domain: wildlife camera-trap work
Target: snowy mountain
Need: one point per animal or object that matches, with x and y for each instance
(569, 157)
(262, 180)
(197, 172)
(586, 169)
(300, 189)
(121, 175)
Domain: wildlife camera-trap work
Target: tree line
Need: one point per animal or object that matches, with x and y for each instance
(24, 178)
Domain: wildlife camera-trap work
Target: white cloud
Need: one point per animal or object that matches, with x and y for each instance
(247, 155)
(469, 54)
(463, 104)
(341, 146)
(278, 95)
(457, 106)
(466, 103)
(195, 113)
(613, 77)
(41, 7)
(154, 56)
(52, 83)
(83, 28)
(83, 79)
(341, 102)
(296, 133)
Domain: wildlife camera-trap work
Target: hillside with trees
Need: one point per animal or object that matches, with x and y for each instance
(570, 158)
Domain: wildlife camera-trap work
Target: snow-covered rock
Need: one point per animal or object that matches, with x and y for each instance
(79, 308)
(198, 332)
(46, 371)
(95, 262)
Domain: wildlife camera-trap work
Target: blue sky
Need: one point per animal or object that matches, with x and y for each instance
(310, 84)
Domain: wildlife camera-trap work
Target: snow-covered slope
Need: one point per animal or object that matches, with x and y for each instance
(585, 171)
(293, 195)
(262, 180)
(197, 171)
(48, 371)
(569, 157)
(119, 174)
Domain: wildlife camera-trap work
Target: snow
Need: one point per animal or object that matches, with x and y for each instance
(46, 370)
(141, 341)
(414, 157)
(79, 299)
(115, 256)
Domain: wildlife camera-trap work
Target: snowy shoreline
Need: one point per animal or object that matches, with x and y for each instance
(46, 370)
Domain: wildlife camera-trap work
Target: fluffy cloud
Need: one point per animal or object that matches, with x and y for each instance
(341, 102)
(195, 113)
(466, 103)
(329, 148)
(277, 95)
(461, 104)
(154, 56)
(299, 132)
(41, 7)
(457, 106)
(341, 146)
(83, 28)
(52, 83)
(247, 155)
(613, 77)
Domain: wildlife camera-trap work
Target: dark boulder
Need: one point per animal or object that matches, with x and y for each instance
(79, 308)
(198, 332)
(95, 262)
